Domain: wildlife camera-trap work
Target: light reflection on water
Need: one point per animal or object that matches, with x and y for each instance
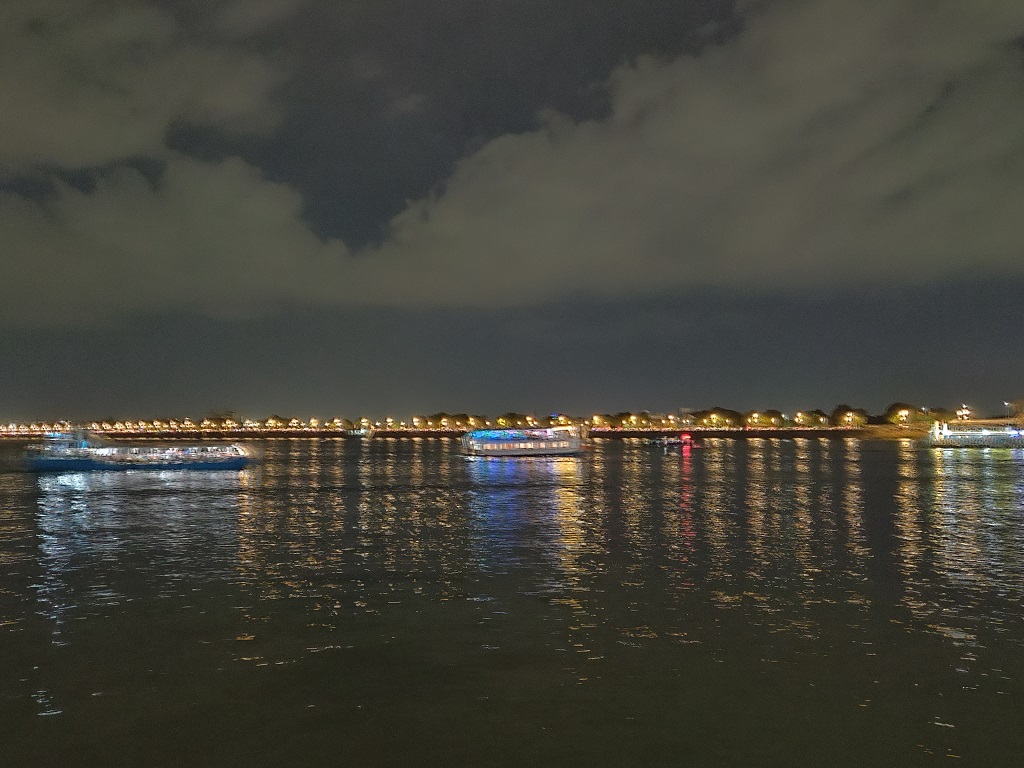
(853, 600)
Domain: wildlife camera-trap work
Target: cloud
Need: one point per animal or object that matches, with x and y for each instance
(830, 142)
(86, 84)
(90, 87)
(242, 18)
(216, 238)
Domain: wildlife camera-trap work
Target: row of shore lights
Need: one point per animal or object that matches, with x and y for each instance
(245, 425)
(174, 425)
(716, 420)
(713, 420)
(963, 413)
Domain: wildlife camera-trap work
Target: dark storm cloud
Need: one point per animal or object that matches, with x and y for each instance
(388, 96)
(824, 143)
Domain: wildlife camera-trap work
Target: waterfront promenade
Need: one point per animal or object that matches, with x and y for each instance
(899, 421)
(236, 433)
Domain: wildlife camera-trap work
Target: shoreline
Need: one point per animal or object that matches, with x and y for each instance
(868, 432)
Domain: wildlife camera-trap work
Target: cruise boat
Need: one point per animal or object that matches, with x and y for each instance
(975, 434)
(532, 441)
(78, 452)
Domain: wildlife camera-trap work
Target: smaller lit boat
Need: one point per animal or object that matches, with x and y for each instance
(533, 441)
(77, 452)
(684, 439)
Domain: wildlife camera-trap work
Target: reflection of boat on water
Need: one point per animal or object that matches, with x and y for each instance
(533, 441)
(77, 452)
(81, 487)
(527, 511)
(106, 540)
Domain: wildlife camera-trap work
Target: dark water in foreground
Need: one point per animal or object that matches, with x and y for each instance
(762, 603)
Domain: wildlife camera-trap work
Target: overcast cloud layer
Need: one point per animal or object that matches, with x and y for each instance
(825, 144)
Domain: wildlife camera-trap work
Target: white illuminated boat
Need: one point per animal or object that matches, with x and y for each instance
(532, 441)
(965, 434)
(76, 452)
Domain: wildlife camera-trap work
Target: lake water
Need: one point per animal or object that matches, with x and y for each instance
(389, 602)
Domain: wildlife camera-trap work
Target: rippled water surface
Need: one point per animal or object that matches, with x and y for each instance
(388, 602)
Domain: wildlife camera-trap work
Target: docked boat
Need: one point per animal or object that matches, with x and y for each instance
(977, 434)
(78, 452)
(533, 441)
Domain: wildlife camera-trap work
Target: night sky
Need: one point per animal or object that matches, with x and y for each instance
(388, 207)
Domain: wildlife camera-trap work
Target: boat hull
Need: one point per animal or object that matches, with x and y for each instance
(975, 441)
(518, 452)
(84, 464)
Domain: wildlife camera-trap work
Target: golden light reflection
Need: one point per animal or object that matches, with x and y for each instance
(574, 538)
(803, 484)
(852, 504)
(759, 501)
(679, 528)
(910, 523)
(637, 503)
(720, 524)
(625, 547)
